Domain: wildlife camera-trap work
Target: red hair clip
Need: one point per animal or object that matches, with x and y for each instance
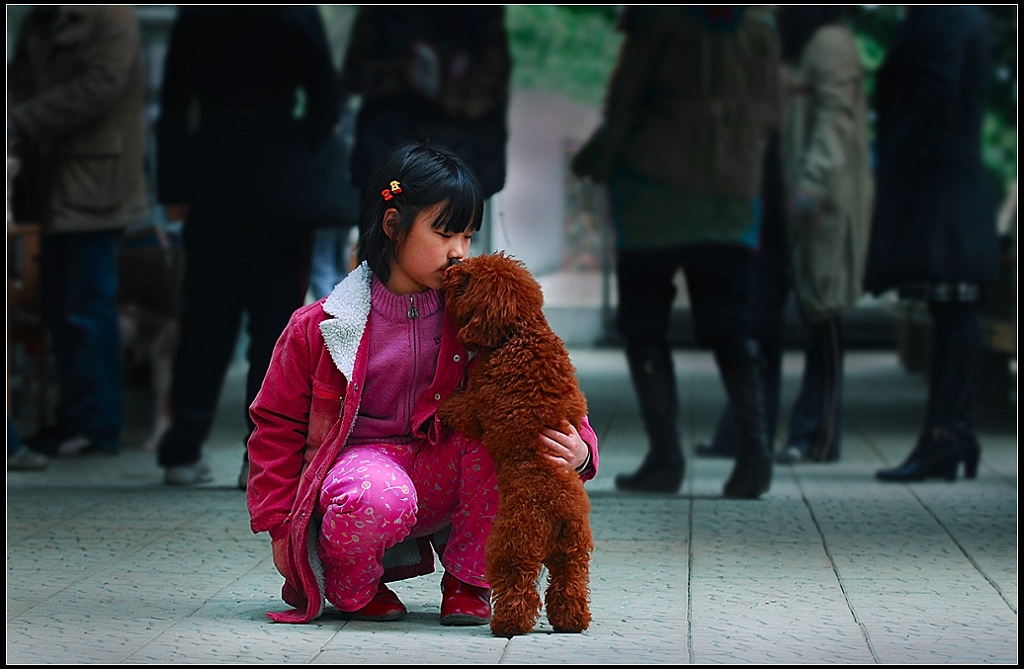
(389, 193)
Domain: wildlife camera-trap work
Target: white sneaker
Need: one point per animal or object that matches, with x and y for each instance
(790, 455)
(74, 445)
(198, 472)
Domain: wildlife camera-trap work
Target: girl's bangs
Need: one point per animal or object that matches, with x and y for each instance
(462, 211)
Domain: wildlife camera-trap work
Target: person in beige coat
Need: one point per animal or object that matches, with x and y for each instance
(817, 222)
(827, 173)
(75, 117)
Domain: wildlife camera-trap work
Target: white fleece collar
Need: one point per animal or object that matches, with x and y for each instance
(349, 304)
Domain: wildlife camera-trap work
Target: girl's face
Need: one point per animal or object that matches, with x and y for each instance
(424, 253)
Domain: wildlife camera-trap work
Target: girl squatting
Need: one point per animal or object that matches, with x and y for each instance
(351, 472)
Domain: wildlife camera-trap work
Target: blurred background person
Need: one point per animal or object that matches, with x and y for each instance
(689, 112)
(934, 233)
(817, 198)
(429, 73)
(20, 457)
(75, 120)
(249, 99)
(332, 253)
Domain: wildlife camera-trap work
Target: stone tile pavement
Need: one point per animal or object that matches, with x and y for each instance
(107, 566)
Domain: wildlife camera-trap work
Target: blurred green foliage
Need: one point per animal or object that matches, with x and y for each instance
(567, 48)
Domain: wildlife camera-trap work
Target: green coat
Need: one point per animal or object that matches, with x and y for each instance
(689, 112)
(824, 145)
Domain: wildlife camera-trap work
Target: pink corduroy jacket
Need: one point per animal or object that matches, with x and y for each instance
(304, 414)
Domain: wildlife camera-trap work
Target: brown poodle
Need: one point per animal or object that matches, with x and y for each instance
(522, 381)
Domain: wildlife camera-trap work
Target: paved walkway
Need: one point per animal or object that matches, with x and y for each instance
(106, 565)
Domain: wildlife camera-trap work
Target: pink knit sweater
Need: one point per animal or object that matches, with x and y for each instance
(405, 340)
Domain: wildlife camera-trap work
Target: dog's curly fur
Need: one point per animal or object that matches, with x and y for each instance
(522, 382)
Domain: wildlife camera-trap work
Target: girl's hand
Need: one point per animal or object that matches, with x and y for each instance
(279, 546)
(564, 446)
(806, 208)
(177, 213)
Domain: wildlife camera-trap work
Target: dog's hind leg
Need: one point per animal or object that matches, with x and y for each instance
(568, 593)
(513, 566)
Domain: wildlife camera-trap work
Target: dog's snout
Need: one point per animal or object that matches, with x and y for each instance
(454, 261)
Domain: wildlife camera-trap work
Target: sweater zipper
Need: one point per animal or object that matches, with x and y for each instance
(413, 313)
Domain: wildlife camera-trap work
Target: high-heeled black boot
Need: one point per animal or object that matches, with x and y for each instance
(970, 449)
(739, 366)
(948, 437)
(654, 380)
(936, 455)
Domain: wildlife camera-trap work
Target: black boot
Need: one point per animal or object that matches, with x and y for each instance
(651, 369)
(936, 455)
(947, 437)
(739, 365)
(723, 444)
(953, 377)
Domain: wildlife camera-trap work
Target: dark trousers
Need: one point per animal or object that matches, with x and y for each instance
(232, 267)
(718, 283)
(78, 276)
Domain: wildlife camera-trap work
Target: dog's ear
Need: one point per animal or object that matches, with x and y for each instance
(494, 296)
(478, 334)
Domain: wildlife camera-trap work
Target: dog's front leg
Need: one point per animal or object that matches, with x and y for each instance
(459, 413)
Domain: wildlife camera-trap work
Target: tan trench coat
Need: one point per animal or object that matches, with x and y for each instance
(824, 146)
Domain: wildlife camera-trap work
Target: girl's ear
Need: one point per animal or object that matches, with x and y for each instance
(390, 222)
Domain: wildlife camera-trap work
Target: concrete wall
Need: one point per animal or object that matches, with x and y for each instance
(527, 214)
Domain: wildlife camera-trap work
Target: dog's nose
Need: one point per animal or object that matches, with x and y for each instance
(454, 261)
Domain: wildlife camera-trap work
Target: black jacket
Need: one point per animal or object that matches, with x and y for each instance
(935, 206)
(462, 104)
(250, 96)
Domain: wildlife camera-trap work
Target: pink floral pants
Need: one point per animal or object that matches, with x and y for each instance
(376, 495)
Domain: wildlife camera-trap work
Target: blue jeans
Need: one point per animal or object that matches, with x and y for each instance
(79, 300)
(328, 262)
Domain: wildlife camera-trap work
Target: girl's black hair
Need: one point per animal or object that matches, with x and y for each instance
(427, 175)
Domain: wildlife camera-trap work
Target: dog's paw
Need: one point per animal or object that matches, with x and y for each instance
(568, 616)
(504, 627)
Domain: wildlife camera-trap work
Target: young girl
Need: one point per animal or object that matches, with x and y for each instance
(352, 474)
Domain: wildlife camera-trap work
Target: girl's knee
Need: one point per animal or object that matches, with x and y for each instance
(369, 495)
